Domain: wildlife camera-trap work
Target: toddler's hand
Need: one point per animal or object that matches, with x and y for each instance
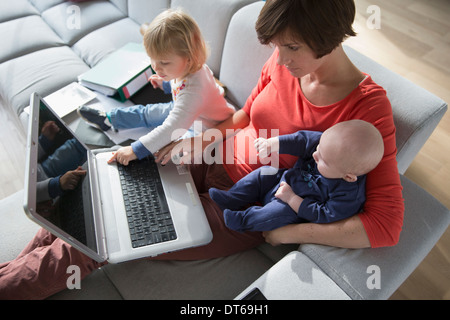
(123, 156)
(156, 81)
(70, 179)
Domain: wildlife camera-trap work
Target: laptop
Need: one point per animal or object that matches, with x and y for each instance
(95, 215)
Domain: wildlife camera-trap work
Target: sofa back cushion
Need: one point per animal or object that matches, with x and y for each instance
(243, 55)
(144, 11)
(213, 18)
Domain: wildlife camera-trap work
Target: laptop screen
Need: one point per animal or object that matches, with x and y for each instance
(62, 189)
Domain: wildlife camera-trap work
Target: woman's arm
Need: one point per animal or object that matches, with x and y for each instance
(187, 147)
(238, 120)
(347, 233)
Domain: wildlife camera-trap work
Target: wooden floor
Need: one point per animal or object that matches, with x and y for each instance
(414, 41)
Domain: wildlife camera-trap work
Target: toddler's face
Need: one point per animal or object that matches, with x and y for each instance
(171, 66)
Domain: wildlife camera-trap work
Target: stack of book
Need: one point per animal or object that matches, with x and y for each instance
(121, 74)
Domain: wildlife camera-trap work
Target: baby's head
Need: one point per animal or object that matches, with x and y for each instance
(349, 149)
(174, 32)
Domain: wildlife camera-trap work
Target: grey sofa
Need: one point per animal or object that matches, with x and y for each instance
(45, 48)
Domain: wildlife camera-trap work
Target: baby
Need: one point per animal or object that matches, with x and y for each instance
(326, 184)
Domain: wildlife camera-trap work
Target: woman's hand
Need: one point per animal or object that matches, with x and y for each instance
(50, 129)
(123, 156)
(277, 236)
(184, 151)
(163, 156)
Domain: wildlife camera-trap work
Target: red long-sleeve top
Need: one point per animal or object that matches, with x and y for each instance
(277, 106)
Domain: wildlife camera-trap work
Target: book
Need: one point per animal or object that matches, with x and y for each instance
(120, 75)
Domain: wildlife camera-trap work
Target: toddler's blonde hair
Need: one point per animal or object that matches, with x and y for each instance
(174, 31)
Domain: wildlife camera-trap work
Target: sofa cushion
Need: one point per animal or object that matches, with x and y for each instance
(144, 11)
(43, 5)
(10, 10)
(221, 278)
(99, 43)
(214, 24)
(122, 5)
(243, 55)
(71, 24)
(25, 35)
(424, 223)
(96, 286)
(43, 71)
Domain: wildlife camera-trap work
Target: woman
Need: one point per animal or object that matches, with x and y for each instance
(308, 84)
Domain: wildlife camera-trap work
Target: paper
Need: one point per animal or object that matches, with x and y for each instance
(69, 98)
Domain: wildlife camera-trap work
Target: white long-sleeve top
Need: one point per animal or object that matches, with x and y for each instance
(196, 98)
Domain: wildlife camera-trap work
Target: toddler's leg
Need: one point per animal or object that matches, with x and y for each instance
(95, 117)
(149, 116)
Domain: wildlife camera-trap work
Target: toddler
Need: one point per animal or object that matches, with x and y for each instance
(326, 184)
(178, 54)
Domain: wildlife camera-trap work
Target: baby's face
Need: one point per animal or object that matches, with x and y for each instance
(326, 160)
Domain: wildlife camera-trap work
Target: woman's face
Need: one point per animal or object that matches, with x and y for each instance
(298, 58)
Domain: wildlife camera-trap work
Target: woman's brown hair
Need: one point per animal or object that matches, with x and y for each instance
(322, 24)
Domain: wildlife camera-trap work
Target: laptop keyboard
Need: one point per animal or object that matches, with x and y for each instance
(146, 206)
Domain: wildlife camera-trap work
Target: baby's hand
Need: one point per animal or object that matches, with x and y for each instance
(284, 192)
(265, 147)
(287, 195)
(156, 81)
(123, 156)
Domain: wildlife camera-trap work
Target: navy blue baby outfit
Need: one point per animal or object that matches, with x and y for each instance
(325, 200)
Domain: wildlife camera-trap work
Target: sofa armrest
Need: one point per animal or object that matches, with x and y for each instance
(377, 273)
(295, 277)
